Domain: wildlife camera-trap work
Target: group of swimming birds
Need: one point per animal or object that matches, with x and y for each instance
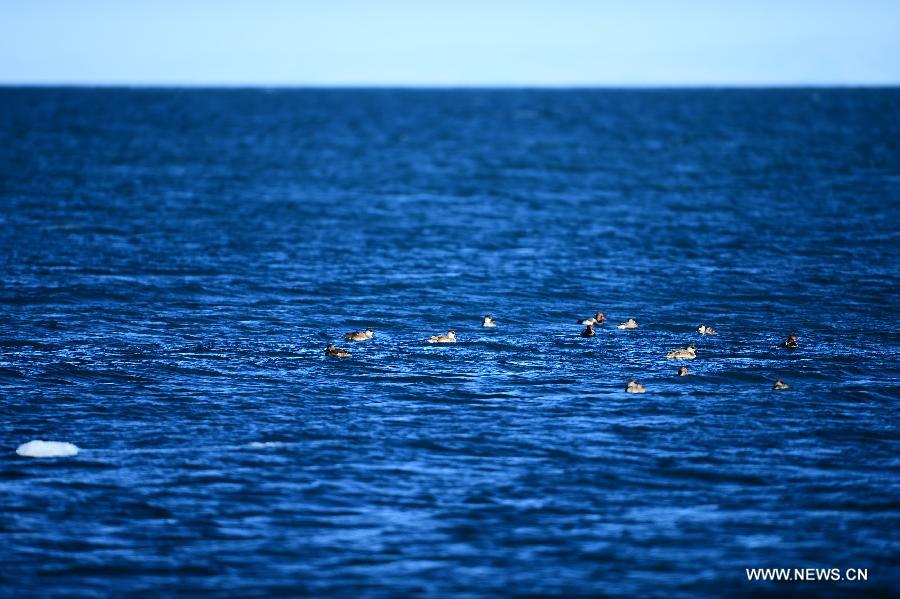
(688, 353)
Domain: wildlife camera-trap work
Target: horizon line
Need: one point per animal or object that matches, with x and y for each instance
(452, 86)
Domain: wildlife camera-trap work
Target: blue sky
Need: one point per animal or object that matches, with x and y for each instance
(351, 42)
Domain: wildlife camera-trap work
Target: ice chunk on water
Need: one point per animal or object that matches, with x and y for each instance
(47, 449)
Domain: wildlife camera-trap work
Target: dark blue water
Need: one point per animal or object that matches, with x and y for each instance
(174, 262)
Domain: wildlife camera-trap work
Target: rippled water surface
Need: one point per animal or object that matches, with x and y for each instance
(174, 262)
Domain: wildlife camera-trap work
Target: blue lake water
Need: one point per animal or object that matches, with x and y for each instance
(174, 262)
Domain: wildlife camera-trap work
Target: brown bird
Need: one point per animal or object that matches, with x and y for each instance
(335, 352)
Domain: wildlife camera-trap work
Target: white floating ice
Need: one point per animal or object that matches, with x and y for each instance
(47, 449)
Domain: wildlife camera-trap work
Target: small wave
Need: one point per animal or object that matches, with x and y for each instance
(47, 449)
(264, 444)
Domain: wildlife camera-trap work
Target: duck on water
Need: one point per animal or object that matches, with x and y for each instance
(360, 335)
(688, 353)
(336, 352)
(599, 318)
(450, 337)
(634, 387)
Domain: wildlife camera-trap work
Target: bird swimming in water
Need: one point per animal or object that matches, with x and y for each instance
(689, 353)
(683, 371)
(634, 387)
(588, 331)
(488, 321)
(360, 335)
(335, 352)
(780, 385)
(450, 337)
(628, 324)
(598, 319)
(791, 342)
(705, 330)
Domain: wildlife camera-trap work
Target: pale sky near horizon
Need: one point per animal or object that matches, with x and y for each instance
(465, 42)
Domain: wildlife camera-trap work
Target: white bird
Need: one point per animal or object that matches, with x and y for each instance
(628, 324)
(705, 330)
(488, 321)
(689, 353)
(634, 387)
(450, 337)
